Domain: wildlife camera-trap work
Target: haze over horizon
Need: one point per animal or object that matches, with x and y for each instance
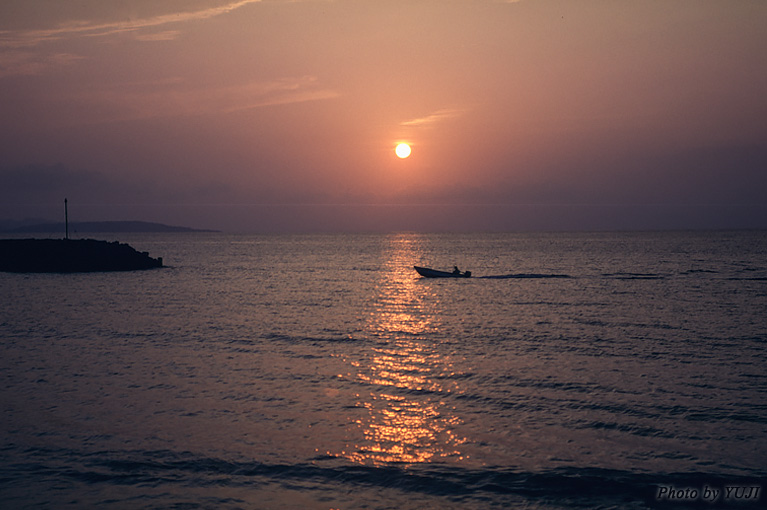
(272, 116)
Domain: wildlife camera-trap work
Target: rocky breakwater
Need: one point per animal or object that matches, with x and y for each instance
(71, 256)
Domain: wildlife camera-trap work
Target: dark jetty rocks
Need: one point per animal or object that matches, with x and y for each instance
(71, 256)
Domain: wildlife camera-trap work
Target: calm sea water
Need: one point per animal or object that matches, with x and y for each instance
(605, 370)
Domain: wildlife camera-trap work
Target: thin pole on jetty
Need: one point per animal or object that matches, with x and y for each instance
(66, 220)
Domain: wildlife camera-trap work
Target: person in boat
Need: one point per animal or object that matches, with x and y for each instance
(456, 270)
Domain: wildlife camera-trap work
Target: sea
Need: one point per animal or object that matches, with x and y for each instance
(604, 370)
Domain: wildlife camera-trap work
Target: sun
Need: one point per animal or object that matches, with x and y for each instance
(402, 150)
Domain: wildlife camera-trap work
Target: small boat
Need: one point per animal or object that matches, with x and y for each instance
(433, 273)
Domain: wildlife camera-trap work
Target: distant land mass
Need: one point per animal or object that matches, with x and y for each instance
(101, 227)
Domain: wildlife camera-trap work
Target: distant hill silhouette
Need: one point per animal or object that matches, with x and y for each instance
(102, 226)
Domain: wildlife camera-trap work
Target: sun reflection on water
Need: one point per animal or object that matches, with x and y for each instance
(407, 375)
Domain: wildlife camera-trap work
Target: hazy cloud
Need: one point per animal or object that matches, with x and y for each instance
(22, 61)
(433, 118)
(50, 184)
(167, 35)
(172, 99)
(26, 63)
(26, 38)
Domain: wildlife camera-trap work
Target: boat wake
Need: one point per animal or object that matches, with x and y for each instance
(524, 275)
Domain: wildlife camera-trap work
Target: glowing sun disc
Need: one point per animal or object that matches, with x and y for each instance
(402, 150)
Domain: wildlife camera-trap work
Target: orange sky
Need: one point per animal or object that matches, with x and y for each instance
(284, 115)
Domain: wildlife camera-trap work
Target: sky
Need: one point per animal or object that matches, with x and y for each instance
(283, 116)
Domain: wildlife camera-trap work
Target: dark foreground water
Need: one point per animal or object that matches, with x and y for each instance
(591, 371)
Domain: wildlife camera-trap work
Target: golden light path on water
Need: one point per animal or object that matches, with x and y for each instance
(407, 419)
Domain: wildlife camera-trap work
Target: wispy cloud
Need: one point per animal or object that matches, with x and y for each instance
(26, 63)
(172, 99)
(167, 35)
(29, 38)
(435, 117)
(19, 56)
